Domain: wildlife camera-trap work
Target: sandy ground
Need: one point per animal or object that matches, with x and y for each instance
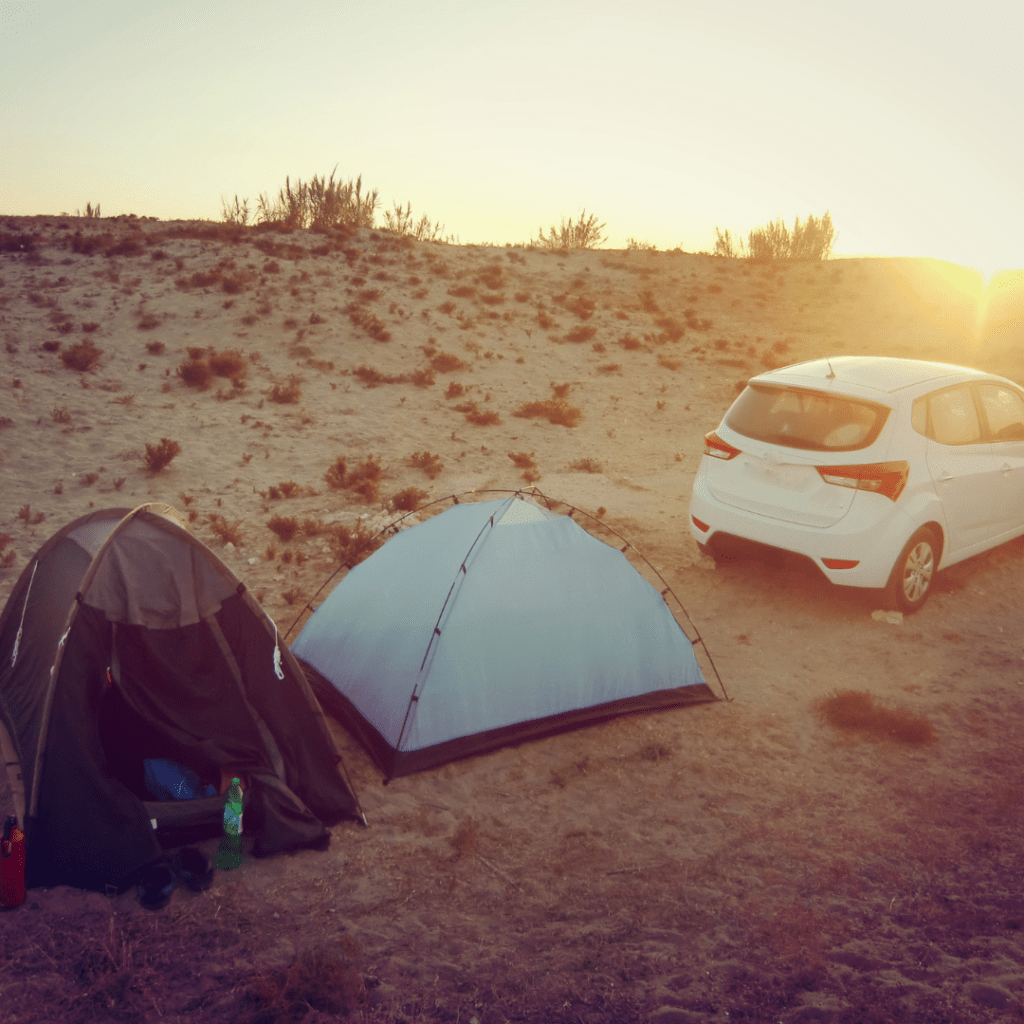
(742, 860)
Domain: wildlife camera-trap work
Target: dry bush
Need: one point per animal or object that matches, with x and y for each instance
(855, 711)
(30, 518)
(408, 499)
(455, 390)
(159, 456)
(609, 368)
(554, 410)
(229, 363)
(284, 526)
(155, 348)
(368, 322)
(422, 378)
(6, 560)
(628, 342)
(475, 416)
(81, 356)
(364, 480)
(335, 474)
(195, 373)
(229, 533)
(374, 378)
(462, 291)
(444, 362)
(286, 394)
(582, 307)
(585, 233)
(285, 489)
(586, 465)
(60, 414)
(523, 460)
(430, 464)
(580, 334)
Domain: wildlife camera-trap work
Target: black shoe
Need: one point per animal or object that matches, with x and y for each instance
(193, 868)
(156, 886)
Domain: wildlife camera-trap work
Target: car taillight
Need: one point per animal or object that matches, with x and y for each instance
(888, 478)
(703, 527)
(716, 447)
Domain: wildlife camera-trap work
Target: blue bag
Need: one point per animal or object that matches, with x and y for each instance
(168, 780)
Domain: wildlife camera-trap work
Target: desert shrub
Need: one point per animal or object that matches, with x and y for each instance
(455, 390)
(633, 244)
(422, 378)
(430, 464)
(669, 364)
(335, 475)
(580, 334)
(229, 363)
(286, 394)
(609, 368)
(585, 233)
(195, 373)
(402, 222)
(476, 417)
(374, 378)
(159, 456)
(284, 526)
(586, 465)
(285, 489)
(628, 342)
(672, 330)
(462, 291)
(352, 546)
(856, 712)
(6, 560)
(30, 518)
(559, 390)
(523, 460)
(229, 533)
(409, 499)
(364, 479)
(583, 308)
(444, 362)
(364, 319)
(51, 346)
(554, 410)
(320, 204)
(60, 414)
(81, 356)
(90, 327)
(811, 240)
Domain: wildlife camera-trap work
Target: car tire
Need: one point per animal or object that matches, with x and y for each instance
(913, 575)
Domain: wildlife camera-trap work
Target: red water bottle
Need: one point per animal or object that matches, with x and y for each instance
(12, 864)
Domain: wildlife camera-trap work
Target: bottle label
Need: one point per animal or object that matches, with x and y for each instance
(232, 821)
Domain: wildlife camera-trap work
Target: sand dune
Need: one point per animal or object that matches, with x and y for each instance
(742, 860)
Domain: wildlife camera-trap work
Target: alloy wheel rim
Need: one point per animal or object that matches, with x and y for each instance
(917, 575)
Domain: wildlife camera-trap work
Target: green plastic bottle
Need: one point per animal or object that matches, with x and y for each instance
(229, 853)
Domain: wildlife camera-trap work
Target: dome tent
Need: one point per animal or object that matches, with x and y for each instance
(490, 623)
(125, 629)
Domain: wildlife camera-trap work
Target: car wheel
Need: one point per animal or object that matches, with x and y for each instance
(913, 574)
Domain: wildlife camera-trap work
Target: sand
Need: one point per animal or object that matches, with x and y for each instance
(741, 860)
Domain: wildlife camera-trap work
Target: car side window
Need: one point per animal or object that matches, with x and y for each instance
(1004, 411)
(953, 418)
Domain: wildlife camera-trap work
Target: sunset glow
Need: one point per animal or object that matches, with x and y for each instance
(664, 119)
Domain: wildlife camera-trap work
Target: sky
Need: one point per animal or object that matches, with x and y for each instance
(498, 118)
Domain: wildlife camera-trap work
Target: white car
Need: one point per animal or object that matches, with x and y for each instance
(881, 471)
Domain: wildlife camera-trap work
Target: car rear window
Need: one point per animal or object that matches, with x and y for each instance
(804, 418)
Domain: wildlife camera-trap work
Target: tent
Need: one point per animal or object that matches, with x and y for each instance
(126, 638)
(491, 623)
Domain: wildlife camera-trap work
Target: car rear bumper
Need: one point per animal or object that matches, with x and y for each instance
(872, 534)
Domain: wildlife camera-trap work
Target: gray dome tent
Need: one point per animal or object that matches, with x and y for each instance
(124, 637)
(491, 623)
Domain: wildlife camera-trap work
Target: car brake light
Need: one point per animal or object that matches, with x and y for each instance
(715, 446)
(840, 563)
(703, 527)
(887, 478)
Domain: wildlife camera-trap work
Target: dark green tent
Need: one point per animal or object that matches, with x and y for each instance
(126, 638)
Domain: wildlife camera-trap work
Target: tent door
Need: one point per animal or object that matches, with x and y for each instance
(273, 753)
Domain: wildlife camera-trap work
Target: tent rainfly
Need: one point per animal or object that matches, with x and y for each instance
(491, 623)
(125, 639)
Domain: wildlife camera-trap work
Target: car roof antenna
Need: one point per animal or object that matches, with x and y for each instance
(831, 373)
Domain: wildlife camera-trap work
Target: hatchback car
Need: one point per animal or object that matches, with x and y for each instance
(881, 471)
